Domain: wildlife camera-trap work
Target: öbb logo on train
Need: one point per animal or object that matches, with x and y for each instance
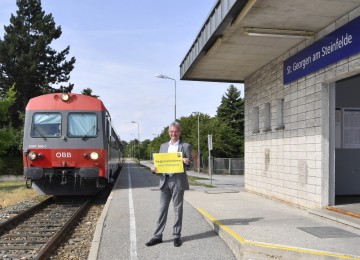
(63, 155)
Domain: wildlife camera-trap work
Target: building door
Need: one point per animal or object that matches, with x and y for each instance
(346, 142)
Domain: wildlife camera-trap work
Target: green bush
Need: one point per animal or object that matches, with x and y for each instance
(11, 165)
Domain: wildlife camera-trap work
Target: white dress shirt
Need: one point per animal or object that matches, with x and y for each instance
(173, 148)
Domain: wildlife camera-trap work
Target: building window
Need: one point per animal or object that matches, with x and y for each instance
(280, 114)
(256, 120)
(267, 117)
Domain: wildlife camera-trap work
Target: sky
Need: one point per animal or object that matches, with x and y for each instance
(120, 46)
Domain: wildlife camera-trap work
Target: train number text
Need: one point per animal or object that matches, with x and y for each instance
(33, 146)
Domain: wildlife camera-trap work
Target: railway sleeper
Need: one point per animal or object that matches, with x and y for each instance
(19, 247)
(24, 242)
(13, 256)
(26, 235)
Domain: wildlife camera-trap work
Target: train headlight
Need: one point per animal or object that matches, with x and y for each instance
(32, 156)
(94, 156)
(65, 97)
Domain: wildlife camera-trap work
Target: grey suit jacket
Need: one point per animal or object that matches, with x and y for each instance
(181, 179)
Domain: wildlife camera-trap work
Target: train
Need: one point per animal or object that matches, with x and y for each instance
(70, 146)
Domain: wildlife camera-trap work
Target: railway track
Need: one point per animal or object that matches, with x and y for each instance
(76, 244)
(35, 233)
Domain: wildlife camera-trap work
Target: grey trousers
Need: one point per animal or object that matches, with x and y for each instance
(168, 192)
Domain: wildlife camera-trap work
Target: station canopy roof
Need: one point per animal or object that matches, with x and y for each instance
(241, 36)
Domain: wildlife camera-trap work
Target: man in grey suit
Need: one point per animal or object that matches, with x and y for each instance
(172, 186)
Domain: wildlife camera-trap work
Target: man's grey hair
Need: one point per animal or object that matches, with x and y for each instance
(175, 124)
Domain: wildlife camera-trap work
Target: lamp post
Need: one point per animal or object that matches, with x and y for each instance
(161, 76)
(151, 147)
(133, 147)
(198, 114)
(134, 122)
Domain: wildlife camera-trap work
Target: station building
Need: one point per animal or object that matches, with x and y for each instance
(300, 65)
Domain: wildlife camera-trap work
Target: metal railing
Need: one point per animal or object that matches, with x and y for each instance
(215, 18)
(231, 166)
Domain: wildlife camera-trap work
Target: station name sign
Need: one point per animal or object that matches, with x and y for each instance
(333, 47)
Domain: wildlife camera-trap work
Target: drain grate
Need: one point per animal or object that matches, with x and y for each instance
(328, 232)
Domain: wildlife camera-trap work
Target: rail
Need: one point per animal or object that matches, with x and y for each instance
(34, 233)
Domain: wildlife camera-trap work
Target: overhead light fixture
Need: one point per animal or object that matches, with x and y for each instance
(281, 33)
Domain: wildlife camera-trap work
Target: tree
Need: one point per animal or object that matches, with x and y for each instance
(145, 149)
(27, 59)
(130, 149)
(7, 133)
(231, 111)
(227, 129)
(88, 92)
(5, 104)
(226, 143)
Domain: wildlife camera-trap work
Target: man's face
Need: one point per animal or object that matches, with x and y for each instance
(174, 134)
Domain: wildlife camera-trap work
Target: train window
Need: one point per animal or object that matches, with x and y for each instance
(82, 125)
(114, 141)
(46, 125)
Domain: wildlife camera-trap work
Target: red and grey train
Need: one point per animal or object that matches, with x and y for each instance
(70, 146)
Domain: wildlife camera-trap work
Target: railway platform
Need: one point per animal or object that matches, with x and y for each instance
(255, 227)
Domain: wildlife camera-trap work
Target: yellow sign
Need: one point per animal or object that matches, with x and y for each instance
(168, 162)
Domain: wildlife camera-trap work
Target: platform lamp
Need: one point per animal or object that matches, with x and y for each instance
(198, 123)
(133, 147)
(134, 122)
(161, 76)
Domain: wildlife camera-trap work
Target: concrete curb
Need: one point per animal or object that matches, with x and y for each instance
(246, 249)
(99, 229)
(337, 217)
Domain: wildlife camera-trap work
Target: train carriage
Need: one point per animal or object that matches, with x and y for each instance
(70, 146)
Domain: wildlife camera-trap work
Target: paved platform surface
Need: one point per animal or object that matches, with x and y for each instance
(255, 227)
(129, 219)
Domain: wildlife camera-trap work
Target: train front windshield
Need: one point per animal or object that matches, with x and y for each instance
(82, 125)
(46, 125)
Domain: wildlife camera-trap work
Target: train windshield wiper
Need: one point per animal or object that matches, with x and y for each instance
(86, 135)
(40, 133)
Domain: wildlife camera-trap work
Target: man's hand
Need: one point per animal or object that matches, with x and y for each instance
(153, 170)
(186, 161)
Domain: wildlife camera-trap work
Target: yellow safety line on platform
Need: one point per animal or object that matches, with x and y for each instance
(342, 211)
(274, 246)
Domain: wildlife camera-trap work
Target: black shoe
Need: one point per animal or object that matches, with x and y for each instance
(177, 242)
(154, 241)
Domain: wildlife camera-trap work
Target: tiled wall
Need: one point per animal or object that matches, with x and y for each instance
(287, 163)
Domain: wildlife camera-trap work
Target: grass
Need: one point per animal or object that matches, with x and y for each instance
(193, 180)
(12, 192)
